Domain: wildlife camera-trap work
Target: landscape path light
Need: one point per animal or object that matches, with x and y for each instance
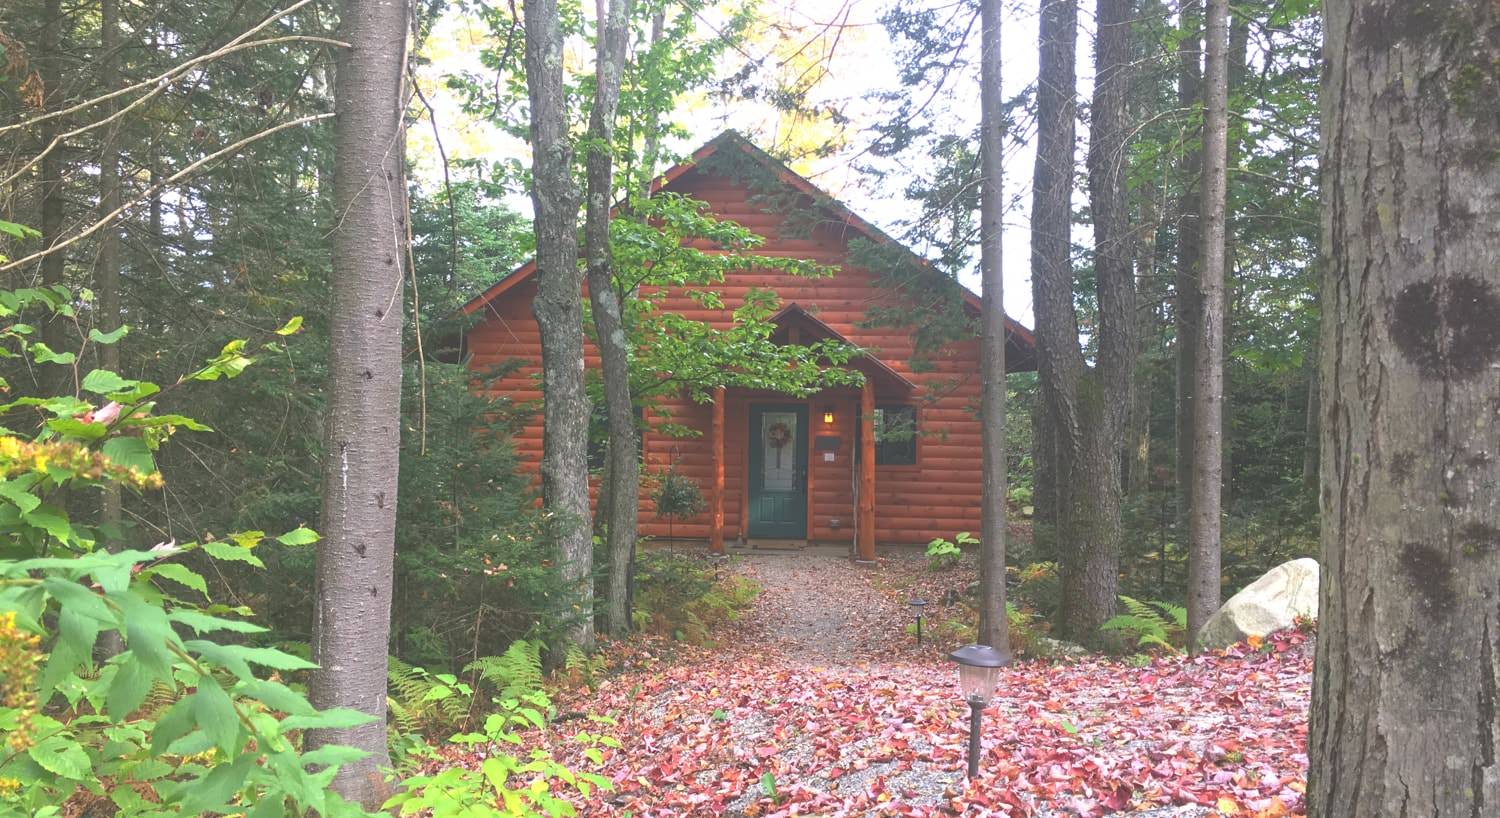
(918, 605)
(978, 676)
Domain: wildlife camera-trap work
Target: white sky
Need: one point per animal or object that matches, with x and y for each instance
(861, 63)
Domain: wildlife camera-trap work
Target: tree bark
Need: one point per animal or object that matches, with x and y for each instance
(56, 378)
(1404, 716)
(994, 627)
(1089, 404)
(1203, 591)
(558, 310)
(623, 472)
(107, 266)
(354, 560)
(1189, 255)
(1044, 478)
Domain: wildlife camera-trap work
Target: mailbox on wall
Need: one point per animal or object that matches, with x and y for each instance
(828, 446)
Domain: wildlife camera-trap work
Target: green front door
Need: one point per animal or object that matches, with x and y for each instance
(778, 472)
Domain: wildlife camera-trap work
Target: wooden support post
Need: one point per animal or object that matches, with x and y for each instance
(716, 494)
(866, 524)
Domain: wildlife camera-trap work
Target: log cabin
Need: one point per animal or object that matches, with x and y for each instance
(894, 461)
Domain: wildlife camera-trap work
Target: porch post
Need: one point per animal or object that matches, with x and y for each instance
(716, 493)
(866, 523)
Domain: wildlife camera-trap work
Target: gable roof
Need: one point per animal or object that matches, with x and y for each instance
(732, 140)
(887, 380)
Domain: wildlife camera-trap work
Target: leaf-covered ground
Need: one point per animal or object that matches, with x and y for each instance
(819, 704)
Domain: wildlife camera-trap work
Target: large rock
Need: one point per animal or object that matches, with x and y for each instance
(1268, 604)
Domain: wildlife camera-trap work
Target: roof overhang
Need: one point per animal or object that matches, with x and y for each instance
(796, 325)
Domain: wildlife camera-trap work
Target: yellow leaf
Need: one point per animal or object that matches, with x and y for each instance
(1227, 806)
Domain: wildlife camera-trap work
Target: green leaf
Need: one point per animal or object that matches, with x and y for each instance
(214, 791)
(16, 492)
(291, 326)
(173, 724)
(100, 381)
(130, 452)
(62, 757)
(338, 718)
(214, 712)
(73, 427)
(128, 690)
(301, 535)
(43, 354)
(50, 520)
(276, 696)
(108, 337)
(206, 623)
(179, 574)
(220, 550)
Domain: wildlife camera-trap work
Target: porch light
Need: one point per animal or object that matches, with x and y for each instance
(918, 606)
(828, 415)
(978, 676)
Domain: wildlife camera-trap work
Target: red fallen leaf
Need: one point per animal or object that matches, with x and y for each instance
(766, 750)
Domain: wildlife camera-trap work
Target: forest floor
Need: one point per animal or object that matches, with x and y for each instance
(818, 702)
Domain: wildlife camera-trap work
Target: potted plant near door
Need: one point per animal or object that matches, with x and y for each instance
(677, 498)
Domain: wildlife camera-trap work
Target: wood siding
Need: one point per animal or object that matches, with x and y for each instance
(936, 497)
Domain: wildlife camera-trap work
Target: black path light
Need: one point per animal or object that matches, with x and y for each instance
(918, 605)
(978, 676)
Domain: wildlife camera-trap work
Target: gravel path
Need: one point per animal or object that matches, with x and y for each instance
(819, 609)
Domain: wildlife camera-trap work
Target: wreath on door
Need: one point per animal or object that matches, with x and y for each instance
(778, 435)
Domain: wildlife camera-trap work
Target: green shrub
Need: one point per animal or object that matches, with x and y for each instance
(185, 718)
(682, 597)
(943, 553)
(1151, 624)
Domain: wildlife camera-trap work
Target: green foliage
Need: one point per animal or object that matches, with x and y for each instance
(504, 785)
(1039, 588)
(430, 706)
(654, 249)
(677, 496)
(1154, 624)
(185, 718)
(682, 597)
(943, 553)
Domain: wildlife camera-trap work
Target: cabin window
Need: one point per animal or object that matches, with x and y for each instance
(895, 435)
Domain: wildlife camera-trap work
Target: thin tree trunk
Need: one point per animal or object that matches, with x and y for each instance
(1404, 716)
(56, 379)
(355, 558)
(559, 315)
(107, 269)
(994, 626)
(1204, 520)
(1239, 47)
(623, 473)
(1189, 255)
(1138, 440)
(1044, 479)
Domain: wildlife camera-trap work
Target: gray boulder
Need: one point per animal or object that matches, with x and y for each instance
(1268, 604)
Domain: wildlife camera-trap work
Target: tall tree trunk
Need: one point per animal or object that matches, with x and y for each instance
(1239, 48)
(107, 266)
(1091, 527)
(1088, 404)
(623, 473)
(1189, 255)
(1404, 705)
(1051, 259)
(558, 310)
(56, 379)
(1152, 294)
(994, 626)
(360, 460)
(1203, 592)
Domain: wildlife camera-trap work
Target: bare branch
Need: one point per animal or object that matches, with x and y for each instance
(157, 188)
